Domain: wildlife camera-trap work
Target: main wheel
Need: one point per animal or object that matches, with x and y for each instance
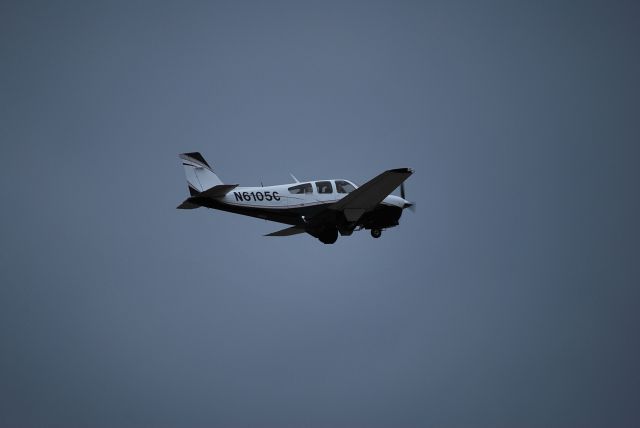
(376, 233)
(329, 236)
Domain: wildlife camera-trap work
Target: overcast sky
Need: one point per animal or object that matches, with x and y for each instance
(508, 299)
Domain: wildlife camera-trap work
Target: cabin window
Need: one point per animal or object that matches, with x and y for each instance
(324, 187)
(301, 188)
(344, 186)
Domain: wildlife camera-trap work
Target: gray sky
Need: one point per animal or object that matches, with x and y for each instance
(508, 299)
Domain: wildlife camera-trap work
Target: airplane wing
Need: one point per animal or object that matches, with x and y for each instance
(355, 204)
(370, 194)
(294, 230)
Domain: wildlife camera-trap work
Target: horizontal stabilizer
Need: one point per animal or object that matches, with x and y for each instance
(187, 205)
(294, 230)
(217, 191)
(195, 200)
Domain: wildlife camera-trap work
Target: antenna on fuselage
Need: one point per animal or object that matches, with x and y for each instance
(294, 177)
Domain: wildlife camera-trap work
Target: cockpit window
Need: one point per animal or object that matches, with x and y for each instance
(301, 188)
(344, 186)
(324, 187)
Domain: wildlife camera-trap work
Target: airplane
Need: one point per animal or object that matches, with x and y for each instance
(321, 208)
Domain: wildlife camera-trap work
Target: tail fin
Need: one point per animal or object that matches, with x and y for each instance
(198, 172)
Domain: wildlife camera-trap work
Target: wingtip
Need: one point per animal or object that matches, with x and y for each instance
(402, 170)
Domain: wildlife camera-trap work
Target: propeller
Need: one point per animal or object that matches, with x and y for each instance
(410, 205)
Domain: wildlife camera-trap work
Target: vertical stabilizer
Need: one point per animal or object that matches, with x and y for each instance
(199, 174)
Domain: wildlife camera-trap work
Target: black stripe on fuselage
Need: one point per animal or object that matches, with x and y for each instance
(287, 215)
(383, 216)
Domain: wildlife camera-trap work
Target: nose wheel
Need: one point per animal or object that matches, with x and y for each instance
(376, 233)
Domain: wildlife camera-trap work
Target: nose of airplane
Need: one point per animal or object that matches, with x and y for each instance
(398, 201)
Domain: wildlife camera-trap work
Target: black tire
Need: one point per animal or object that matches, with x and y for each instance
(329, 236)
(376, 233)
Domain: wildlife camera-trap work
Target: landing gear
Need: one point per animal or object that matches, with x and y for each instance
(328, 236)
(376, 233)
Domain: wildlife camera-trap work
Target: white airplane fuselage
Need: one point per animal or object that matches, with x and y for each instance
(315, 207)
(278, 197)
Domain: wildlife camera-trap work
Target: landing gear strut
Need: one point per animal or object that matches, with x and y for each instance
(376, 233)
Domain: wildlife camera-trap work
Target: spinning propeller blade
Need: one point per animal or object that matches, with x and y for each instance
(410, 205)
